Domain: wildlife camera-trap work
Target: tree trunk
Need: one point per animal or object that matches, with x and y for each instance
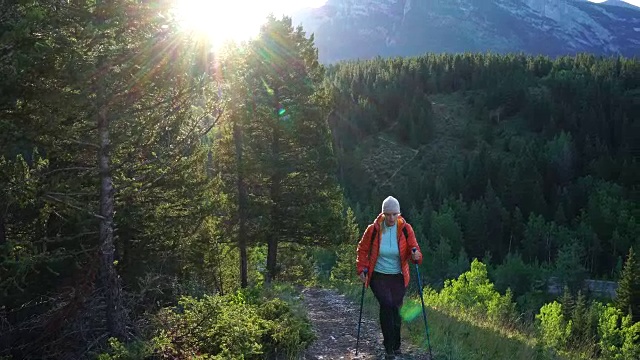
(3, 229)
(272, 252)
(276, 177)
(242, 206)
(108, 276)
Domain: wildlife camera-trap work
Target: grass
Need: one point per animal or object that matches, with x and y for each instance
(452, 338)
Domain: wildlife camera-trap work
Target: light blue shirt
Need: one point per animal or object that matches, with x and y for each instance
(389, 256)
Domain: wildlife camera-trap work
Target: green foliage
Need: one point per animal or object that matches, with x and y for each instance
(20, 253)
(619, 336)
(554, 329)
(287, 334)
(569, 269)
(612, 217)
(276, 151)
(589, 330)
(561, 158)
(452, 337)
(213, 325)
(585, 324)
(514, 274)
(628, 292)
(444, 225)
(437, 262)
(296, 264)
(583, 318)
(235, 326)
(538, 235)
(324, 261)
(473, 293)
(344, 269)
(131, 351)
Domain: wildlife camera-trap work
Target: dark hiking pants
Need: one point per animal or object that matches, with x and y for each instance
(389, 290)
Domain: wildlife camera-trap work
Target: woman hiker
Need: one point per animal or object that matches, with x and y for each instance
(384, 251)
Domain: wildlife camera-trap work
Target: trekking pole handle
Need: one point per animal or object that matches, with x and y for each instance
(365, 273)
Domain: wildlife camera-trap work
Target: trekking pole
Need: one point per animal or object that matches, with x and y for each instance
(424, 312)
(361, 304)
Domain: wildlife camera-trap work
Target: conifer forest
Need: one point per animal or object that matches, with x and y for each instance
(162, 201)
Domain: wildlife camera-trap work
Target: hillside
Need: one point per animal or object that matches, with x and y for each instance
(507, 143)
(385, 158)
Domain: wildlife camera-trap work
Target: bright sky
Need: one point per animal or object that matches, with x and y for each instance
(234, 19)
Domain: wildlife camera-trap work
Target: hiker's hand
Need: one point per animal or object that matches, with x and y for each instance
(363, 277)
(415, 256)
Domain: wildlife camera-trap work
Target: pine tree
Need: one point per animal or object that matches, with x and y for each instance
(475, 231)
(496, 216)
(234, 158)
(581, 330)
(628, 293)
(427, 210)
(287, 140)
(568, 302)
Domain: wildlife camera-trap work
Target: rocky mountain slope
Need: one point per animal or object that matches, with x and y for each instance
(351, 29)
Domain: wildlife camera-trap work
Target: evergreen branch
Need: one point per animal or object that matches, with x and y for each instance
(50, 240)
(135, 167)
(215, 122)
(85, 143)
(155, 105)
(74, 206)
(70, 194)
(78, 168)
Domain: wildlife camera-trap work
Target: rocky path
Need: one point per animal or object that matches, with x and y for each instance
(335, 322)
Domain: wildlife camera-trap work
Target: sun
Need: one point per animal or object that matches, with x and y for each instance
(219, 21)
(232, 20)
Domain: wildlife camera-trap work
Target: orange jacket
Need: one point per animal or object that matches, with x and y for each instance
(364, 261)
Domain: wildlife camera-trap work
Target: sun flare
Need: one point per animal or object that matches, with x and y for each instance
(218, 21)
(234, 20)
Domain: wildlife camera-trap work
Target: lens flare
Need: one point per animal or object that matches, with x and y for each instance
(410, 311)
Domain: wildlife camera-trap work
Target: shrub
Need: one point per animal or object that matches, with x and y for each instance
(215, 325)
(554, 329)
(286, 334)
(244, 325)
(473, 292)
(133, 351)
(619, 337)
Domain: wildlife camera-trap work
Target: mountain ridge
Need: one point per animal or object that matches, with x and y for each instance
(360, 29)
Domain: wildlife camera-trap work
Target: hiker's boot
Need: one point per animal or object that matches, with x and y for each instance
(398, 354)
(389, 355)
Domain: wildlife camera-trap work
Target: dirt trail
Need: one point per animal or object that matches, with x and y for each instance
(335, 322)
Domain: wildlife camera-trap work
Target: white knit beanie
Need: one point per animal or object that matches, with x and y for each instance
(390, 205)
